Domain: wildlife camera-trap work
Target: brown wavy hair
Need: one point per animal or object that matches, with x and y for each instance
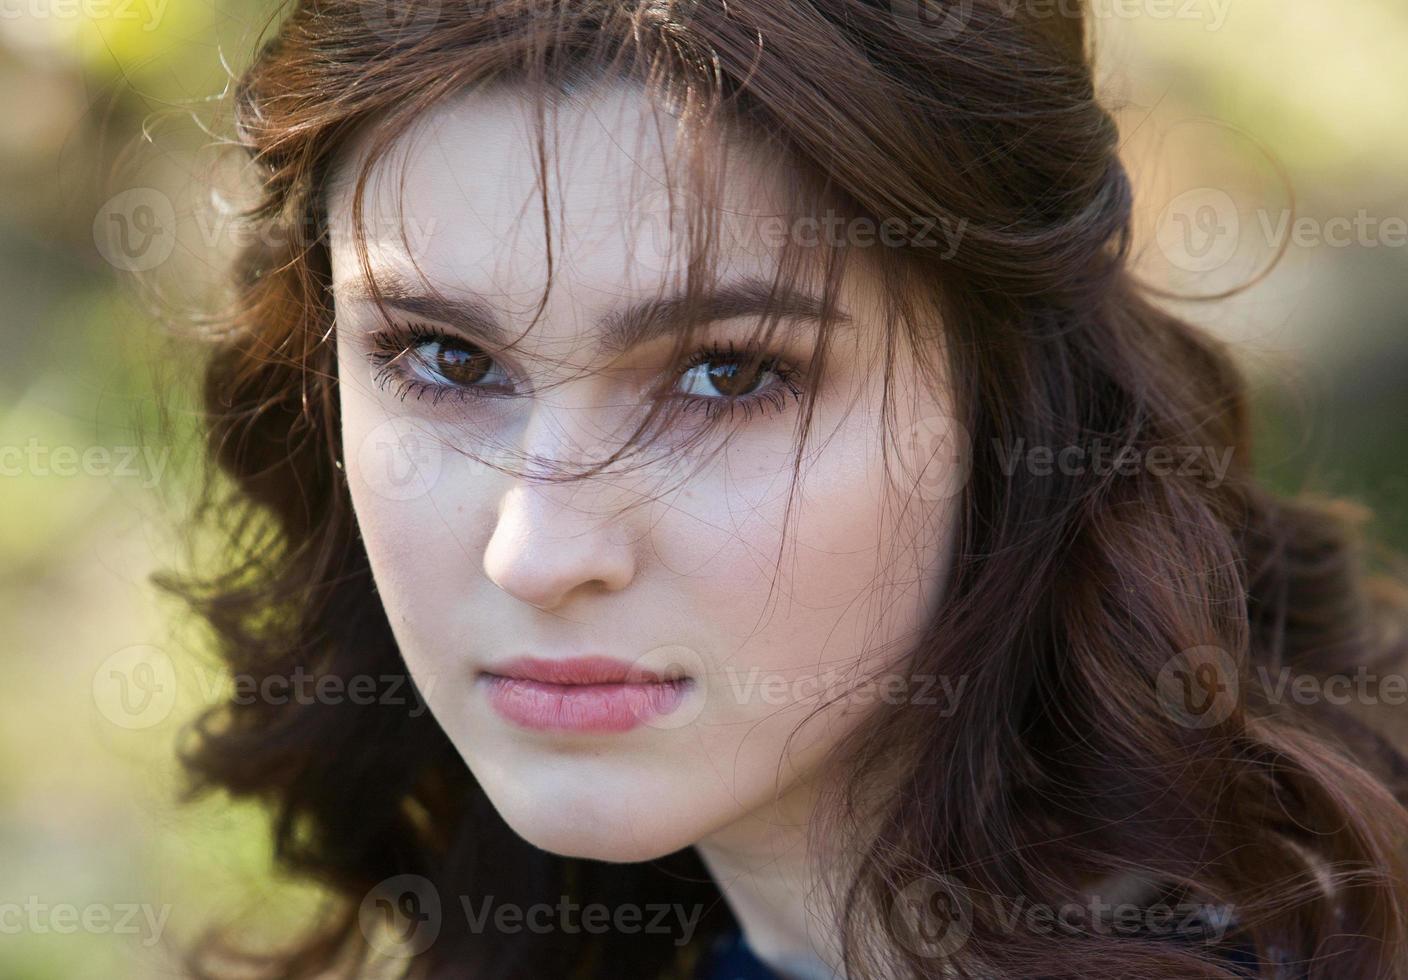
(1070, 597)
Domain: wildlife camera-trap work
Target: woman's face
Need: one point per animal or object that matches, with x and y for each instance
(632, 662)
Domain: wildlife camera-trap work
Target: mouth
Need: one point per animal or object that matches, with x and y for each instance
(581, 694)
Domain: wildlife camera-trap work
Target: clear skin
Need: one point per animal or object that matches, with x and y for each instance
(475, 566)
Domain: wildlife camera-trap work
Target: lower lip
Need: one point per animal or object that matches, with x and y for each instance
(612, 707)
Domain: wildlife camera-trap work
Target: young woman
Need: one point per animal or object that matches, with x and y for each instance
(810, 552)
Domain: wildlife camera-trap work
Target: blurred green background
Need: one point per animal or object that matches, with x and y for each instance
(1232, 114)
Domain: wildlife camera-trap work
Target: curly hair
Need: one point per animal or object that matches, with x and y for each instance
(1080, 605)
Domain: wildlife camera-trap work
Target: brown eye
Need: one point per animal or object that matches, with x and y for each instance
(460, 364)
(733, 380)
(723, 376)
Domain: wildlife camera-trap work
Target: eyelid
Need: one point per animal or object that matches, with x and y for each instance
(391, 343)
(395, 339)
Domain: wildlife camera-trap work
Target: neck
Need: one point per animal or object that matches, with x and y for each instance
(768, 870)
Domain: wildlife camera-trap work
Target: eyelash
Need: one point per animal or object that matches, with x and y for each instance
(392, 348)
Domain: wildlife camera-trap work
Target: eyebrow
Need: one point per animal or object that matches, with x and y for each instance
(620, 330)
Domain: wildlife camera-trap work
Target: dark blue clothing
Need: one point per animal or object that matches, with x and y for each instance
(731, 958)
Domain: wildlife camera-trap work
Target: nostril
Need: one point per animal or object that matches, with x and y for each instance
(542, 552)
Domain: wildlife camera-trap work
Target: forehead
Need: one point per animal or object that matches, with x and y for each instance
(459, 197)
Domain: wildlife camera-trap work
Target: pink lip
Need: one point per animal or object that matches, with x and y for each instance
(580, 694)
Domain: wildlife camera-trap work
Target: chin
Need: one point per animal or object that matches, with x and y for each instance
(594, 845)
(596, 820)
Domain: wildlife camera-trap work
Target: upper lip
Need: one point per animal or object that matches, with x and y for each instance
(594, 669)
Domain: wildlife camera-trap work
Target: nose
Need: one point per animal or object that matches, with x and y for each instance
(552, 542)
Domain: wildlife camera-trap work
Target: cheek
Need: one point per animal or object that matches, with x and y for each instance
(798, 620)
(408, 495)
